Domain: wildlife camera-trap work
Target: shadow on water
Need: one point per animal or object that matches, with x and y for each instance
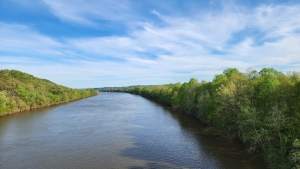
(114, 130)
(188, 149)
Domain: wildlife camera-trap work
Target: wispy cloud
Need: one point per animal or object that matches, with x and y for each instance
(279, 21)
(175, 49)
(23, 39)
(88, 12)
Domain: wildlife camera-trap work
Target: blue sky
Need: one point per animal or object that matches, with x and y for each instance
(90, 43)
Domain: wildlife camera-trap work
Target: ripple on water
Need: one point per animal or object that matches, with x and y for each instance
(113, 130)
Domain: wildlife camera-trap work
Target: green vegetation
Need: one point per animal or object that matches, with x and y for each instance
(260, 108)
(112, 89)
(20, 91)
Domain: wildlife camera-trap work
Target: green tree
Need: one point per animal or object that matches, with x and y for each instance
(295, 154)
(3, 101)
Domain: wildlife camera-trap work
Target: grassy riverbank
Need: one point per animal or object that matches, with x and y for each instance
(261, 108)
(20, 91)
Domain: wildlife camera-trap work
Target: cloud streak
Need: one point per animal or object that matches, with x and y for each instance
(175, 49)
(23, 39)
(88, 12)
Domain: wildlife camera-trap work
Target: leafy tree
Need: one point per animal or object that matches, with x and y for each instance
(295, 154)
(261, 108)
(3, 101)
(230, 71)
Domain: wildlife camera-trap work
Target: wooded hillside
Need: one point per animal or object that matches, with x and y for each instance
(20, 91)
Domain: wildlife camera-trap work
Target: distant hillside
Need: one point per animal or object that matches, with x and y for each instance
(115, 89)
(20, 91)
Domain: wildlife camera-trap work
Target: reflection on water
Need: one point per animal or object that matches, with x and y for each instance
(114, 130)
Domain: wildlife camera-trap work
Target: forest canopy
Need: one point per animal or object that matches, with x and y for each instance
(20, 91)
(261, 108)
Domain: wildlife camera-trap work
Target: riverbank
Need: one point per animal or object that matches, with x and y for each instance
(39, 107)
(20, 92)
(114, 130)
(209, 130)
(260, 108)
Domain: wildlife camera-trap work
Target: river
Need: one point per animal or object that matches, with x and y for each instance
(114, 130)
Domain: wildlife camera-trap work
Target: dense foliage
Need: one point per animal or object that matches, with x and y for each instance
(260, 108)
(20, 91)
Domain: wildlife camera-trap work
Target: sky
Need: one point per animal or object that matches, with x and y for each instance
(110, 43)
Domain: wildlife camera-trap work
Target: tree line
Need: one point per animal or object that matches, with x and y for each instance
(20, 91)
(261, 108)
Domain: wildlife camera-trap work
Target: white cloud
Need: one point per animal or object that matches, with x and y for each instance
(179, 49)
(117, 47)
(21, 38)
(277, 20)
(87, 12)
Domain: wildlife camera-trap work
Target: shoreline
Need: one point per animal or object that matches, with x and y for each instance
(39, 107)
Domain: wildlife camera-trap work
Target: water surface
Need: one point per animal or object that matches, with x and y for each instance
(114, 130)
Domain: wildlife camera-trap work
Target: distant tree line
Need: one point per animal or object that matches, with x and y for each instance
(114, 89)
(20, 91)
(261, 108)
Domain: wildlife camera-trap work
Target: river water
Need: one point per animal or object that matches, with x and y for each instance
(114, 130)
